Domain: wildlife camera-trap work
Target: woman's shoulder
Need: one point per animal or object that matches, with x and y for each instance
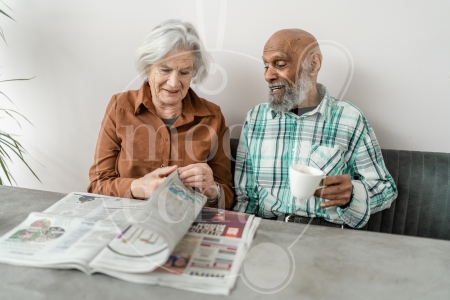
(200, 104)
(214, 108)
(125, 100)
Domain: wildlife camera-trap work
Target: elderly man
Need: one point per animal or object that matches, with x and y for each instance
(302, 124)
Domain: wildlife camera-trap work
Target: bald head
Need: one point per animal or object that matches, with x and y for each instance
(291, 56)
(294, 42)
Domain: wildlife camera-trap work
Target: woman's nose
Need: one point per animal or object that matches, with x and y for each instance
(173, 79)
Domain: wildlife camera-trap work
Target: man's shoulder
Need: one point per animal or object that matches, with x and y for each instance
(345, 105)
(339, 108)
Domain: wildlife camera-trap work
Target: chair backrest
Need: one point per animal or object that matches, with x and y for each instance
(233, 148)
(422, 207)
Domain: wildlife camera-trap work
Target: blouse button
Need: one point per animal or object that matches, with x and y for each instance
(163, 165)
(166, 139)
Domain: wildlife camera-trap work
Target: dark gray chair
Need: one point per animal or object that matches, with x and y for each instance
(422, 207)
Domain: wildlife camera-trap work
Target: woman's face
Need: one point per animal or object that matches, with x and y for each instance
(170, 79)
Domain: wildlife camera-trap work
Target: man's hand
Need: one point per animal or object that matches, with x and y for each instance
(144, 187)
(338, 190)
(200, 176)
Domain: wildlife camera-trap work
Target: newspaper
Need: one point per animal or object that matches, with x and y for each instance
(209, 256)
(168, 240)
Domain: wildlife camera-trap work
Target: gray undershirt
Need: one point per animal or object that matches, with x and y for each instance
(169, 122)
(303, 110)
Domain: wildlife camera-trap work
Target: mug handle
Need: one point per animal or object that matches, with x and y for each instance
(322, 186)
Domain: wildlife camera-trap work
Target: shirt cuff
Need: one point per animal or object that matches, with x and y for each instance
(357, 213)
(125, 188)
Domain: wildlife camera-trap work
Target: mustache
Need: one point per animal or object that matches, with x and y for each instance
(279, 83)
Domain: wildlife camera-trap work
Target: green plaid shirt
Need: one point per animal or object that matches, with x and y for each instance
(335, 137)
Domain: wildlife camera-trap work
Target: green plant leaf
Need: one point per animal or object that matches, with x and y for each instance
(3, 36)
(22, 151)
(6, 172)
(8, 112)
(17, 148)
(17, 79)
(1, 30)
(14, 80)
(12, 147)
(5, 166)
(11, 142)
(3, 153)
(7, 97)
(1, 11)
(7, 6)
(7, 141)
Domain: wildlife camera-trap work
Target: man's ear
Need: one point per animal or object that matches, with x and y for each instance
(315, 63)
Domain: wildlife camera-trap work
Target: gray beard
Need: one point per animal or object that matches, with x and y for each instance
(293, 96)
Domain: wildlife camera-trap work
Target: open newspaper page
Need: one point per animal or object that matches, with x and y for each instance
(209, 256)
(69, 234)
(147, 242)
(129, 239)
(96, 207)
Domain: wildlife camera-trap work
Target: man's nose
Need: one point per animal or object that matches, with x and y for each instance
(270, 74)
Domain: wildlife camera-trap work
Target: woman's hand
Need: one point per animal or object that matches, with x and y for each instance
(200, 176)
(144, 187)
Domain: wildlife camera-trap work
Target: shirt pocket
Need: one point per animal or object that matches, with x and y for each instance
(328, 159)
(272, 164)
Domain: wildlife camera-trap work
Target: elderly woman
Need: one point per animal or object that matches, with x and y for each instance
(164, 126)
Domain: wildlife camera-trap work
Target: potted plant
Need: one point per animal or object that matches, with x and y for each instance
(9, 146)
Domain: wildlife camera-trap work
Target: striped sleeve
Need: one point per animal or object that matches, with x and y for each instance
(375, 189)
(243, 177)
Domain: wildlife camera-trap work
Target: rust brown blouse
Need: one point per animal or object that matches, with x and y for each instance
(133, 141)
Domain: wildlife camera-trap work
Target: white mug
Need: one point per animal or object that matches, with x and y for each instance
(304, 180)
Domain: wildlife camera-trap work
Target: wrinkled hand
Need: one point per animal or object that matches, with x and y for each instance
(144, 187)
(338, 190)
(199, 176)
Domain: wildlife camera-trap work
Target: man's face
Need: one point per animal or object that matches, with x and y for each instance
(282, 66)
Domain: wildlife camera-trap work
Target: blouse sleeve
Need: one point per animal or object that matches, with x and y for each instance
(221, 165)
(103, 175)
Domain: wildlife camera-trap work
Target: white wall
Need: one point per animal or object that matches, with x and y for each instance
(82, 52)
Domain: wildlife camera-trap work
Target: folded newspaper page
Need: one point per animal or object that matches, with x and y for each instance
(209, 256)
(164, 240)
(156, 230)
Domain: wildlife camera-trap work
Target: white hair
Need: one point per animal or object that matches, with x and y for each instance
(166, 37)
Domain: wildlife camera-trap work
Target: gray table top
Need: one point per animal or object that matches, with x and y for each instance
(286, 261)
